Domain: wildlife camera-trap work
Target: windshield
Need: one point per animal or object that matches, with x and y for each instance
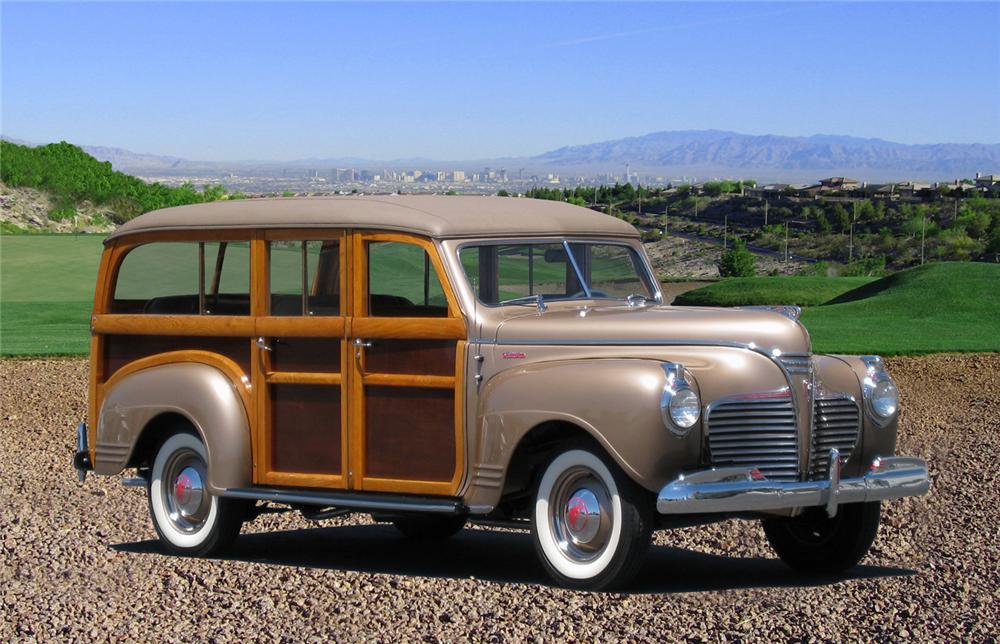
(512, 272)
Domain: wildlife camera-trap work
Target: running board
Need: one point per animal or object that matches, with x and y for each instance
(350, 500)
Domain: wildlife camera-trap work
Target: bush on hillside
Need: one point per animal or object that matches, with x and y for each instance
(738, 261)
(71, 175)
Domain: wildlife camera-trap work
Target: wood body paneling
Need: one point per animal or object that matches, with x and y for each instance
(305, 428)
(119, 350)
(409, 433)
(323, 413)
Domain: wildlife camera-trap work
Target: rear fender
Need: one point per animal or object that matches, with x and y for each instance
(201, 393)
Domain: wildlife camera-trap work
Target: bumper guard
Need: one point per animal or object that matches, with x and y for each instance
(81, 460)
(737, 489)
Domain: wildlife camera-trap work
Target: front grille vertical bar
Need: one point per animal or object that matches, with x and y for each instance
(798, 369)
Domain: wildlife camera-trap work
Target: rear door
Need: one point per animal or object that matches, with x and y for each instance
(299, 357)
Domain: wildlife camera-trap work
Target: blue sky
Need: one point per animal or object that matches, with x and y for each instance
(464, 81)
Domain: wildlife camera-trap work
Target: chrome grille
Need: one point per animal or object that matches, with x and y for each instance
(756, 432)
(795, 363)
(836, 422)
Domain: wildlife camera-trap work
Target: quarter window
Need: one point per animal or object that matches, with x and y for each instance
(185, 278)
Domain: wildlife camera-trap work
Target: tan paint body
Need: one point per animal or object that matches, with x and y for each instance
(199, 392)
(596, 365)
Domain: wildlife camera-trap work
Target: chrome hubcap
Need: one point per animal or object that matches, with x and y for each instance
(580, 515)
(184, 495)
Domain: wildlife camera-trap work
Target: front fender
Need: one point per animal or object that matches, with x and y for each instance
(201, 393)
(615, 401)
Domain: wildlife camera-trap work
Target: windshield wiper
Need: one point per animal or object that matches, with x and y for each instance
(537, 299)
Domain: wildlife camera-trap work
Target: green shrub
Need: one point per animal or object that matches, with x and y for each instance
(738, 261)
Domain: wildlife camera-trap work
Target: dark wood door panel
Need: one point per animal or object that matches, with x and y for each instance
(120, 350)
(418, 357)
(305, 429)
(305, 354)
(409, 433)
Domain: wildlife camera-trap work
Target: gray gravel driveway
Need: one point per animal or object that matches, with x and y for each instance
(80, 562)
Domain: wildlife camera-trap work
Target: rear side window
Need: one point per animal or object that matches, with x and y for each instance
(184, 278)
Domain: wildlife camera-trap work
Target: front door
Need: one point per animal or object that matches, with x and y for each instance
(300, 352)
(405, 355)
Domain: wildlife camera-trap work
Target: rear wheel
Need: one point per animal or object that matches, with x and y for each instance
(814, 542)
(187, 517)
(591, 524)
(429, 528)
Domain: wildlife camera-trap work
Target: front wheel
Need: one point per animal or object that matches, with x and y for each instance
(816, 543)
(187, 517)
(590, 523)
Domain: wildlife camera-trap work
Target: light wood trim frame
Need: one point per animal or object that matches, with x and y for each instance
(302, 326)
(360, 269)
(270, 327)
(235, 326)
(361, 325)
(303, 378)
(409, 328)
(407, 380)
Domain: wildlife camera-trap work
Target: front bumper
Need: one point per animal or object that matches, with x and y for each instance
(735, 489)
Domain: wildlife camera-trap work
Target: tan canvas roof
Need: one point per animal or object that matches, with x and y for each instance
(432, 215)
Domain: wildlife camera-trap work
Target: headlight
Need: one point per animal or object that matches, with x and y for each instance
(685, 408)
(880, 392)
(680, 406)
(885, 399)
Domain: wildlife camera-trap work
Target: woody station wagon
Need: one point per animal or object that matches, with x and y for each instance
(434, 360)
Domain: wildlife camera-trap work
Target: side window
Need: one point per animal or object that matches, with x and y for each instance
(184, 278)
(402, 282)
(226, 282)
(305, 277)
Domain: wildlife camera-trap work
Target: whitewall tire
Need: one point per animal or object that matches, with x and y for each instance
(187, 517)
(591, 524)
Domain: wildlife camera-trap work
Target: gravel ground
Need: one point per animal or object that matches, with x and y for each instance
(80, 562)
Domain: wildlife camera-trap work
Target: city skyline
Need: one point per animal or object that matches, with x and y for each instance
(395, 81)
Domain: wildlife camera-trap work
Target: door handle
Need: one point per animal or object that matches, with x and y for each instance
(262, 345)
(360, 344)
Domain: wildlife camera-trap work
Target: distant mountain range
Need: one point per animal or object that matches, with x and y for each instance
(749, 155)
(691, 153)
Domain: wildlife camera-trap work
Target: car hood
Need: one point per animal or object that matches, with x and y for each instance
(624, 325)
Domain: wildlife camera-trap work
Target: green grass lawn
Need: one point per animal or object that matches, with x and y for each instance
(747, 291)
(46, 293)
(948, 306)
(47, 282)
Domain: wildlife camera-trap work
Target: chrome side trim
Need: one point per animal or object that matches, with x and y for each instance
(354, 501)
(740, 489)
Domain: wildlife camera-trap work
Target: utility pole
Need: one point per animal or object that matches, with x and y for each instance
(850, 251)
(666, 209)
(923, 234)
(786, 242)
(725, 233)
(765, 212)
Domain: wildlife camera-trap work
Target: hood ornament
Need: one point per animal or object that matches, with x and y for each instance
(790, 311)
